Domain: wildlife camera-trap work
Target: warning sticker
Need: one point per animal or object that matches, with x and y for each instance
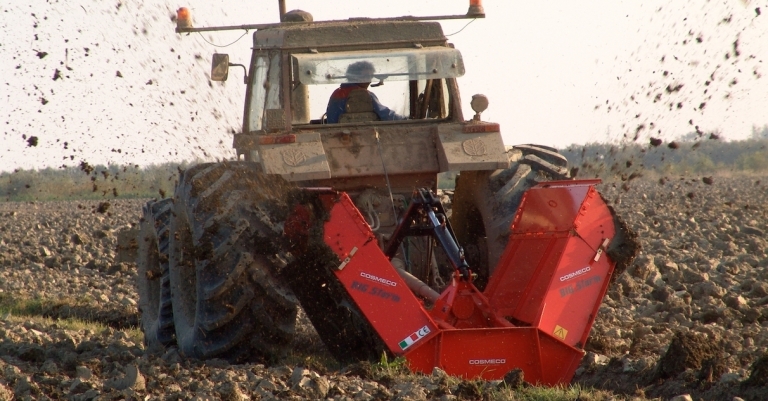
(560, 332)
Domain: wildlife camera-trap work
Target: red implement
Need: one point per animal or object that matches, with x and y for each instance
(536, 311)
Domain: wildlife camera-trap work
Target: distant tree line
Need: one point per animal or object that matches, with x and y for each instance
(90, 182)
(695, 154)
(699, 154)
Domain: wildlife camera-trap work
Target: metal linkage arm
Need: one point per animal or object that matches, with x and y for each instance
(426, 216)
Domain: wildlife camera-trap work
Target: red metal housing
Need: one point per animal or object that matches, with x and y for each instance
(538, 307)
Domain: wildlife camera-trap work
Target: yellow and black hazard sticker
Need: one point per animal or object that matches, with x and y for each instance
(560, 332)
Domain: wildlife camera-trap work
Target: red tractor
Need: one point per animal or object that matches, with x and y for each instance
(337, 213)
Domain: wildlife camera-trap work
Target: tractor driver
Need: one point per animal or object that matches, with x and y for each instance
(359, 75)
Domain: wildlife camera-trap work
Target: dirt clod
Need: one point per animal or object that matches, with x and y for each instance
(363, 370)
(711, 370)
(624, 247)
(687, 351)
(103, 207)
(469, 390)
(759, 373)
(514, 378)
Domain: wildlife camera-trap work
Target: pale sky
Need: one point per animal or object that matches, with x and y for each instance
(556, 72)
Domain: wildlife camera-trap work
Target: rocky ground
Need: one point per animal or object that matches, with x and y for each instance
(689, 317)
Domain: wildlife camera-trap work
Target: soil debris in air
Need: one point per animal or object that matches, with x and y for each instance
(103, 207)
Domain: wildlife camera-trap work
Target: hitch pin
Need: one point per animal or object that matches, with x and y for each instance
(348, 258)
(600, 249)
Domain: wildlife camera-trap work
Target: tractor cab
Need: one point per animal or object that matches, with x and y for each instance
(334, 101)
(412, 74)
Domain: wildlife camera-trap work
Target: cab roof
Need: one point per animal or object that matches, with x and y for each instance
(316, 35)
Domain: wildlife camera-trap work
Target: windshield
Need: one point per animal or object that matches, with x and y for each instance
(402, 84)
(396, 65)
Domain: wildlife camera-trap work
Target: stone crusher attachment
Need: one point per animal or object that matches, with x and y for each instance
(535, 313)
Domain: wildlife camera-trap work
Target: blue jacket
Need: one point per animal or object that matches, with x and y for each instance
(337, 105)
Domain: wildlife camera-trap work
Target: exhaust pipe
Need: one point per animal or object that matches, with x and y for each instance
(281, 5)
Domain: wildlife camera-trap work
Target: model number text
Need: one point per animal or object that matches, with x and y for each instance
(578, 286)
(374, 290)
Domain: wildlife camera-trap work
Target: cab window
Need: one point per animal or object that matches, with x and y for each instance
(412, 83)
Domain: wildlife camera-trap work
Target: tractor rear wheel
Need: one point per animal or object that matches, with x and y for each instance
(345, 331)
(153, 285)
(485, 203)
(227, 302)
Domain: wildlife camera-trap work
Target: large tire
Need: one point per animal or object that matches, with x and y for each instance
(154, 288)
(227, 302)
(346, 333)
(485, 202)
